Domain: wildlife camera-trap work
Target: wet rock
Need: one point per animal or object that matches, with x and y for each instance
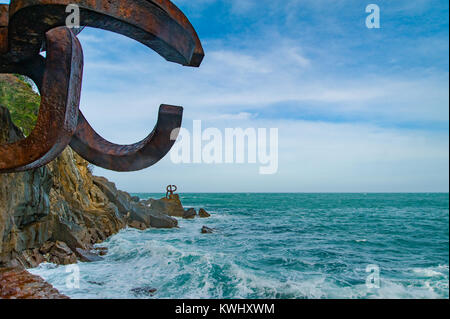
(189, 213)
(61, 254)
(31, 258)
(144, 291)
(60, 248)
(24, 202)
(203, 213)
(20, 284)
(171, 207)
(55, 252)
(95, 283)
(46, 247)
(87, 256)
(207, 230)
(135, 199)
(138, 214)
(137, 225)
(101, 251)
(158, 220)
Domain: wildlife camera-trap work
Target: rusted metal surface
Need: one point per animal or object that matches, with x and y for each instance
(170, 189)
(25, 29)
(160, 25)
(3, 28)
(59, 81)
(145, 153)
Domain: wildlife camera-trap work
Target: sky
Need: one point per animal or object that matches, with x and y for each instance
(357, 109)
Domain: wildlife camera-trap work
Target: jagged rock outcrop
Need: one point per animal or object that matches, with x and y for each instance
(171, 206)
(20, 284)
(207, 230)
(137, 212)
(59, 211)
(144, 291)
(202, 213)
(189, 213)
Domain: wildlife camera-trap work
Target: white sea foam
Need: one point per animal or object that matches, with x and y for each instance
(267, 254)
(194, 274)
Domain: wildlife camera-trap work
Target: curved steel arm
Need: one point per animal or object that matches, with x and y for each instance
(134, 157)
(59, 81)
(158, 24)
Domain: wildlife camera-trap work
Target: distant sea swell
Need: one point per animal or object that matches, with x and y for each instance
(279, 246)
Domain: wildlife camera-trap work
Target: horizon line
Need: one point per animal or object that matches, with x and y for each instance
(399, 192)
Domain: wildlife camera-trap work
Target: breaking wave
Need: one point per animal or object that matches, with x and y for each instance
(296, 251)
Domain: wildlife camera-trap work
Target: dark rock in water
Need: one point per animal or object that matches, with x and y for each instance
(137, 225)
(146, 291)
(171, 207)
(160, 220)
(207, 230)
(189, 213)
(102, 251)
(95, 283)
(203, 213)
(87, 256)
(135, 199)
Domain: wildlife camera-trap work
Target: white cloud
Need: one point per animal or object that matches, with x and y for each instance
(316, 157)
(124, 85)
(238, 62)
(236, 116)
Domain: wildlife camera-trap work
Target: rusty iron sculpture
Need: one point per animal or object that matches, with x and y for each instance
(28, 27)
(170, 189)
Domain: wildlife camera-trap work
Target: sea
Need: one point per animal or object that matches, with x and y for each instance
(289, 246)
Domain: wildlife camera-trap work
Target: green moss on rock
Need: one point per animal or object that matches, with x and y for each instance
(17, 94)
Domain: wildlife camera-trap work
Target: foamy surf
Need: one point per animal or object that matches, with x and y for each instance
(295, 251)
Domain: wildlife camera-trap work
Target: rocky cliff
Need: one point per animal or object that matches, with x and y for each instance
(20, 284)
(58, 212)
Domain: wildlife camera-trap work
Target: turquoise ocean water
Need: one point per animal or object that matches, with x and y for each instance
(279, 246)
